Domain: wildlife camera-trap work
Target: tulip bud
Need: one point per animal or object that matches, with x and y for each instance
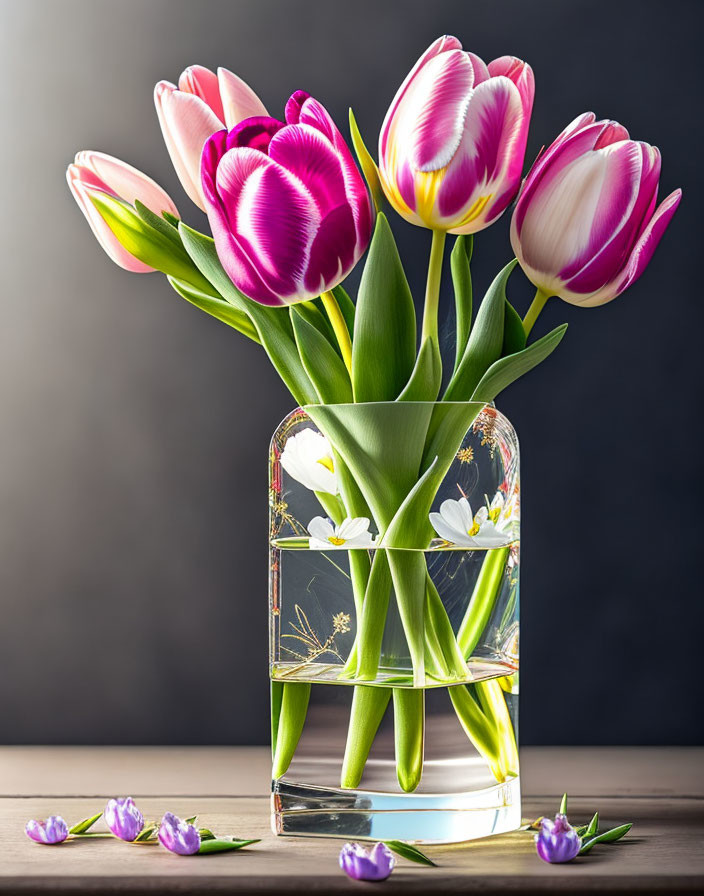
(585, 224)
(202, 104)
(178, 836)
(359, 863)
(50, 832)
(96, 175)
(123, 818)
(452, 144)
(288, 208)
(557, 840)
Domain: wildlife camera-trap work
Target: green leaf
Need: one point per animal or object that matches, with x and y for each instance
(485, 340)
(593, 826)
(172, 219)
(514, 334)
(148, 832)
(149, 245)
(563, 804)
(272, 324)
(368, 709)
(82, 826)
(384, 345)
(322, 363)
(206, 834)
(426, 378)
(277, 693)
(406, 851)
(607, 837)
(192, 819)
(157, 222)
(367, 164)
(314, 313)
(222, 844)
(217, 308)
(505, 371)
(462, 282)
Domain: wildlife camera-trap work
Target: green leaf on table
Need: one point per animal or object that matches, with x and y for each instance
(82, 826)
(222, 844)
(514, 334)
(563, 805)
(321, 362)
(384, 344)
(206, 834)
(192, 819)
(406, 851)
(593, 826)
(272, 324)
(505, 371)
(460, 259)
(485, 341)
(216, 307)
(607, 837)
(366, 163)
(149, 832)
(150, 245)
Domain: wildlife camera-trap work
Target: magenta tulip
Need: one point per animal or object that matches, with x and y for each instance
(202, 104)
(452, 144)
(288, 208)
(93, 174)
(586, 224)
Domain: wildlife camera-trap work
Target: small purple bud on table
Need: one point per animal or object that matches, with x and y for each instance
(557, 840)
(178, 836)
(123, 818)
(52, 831)
(359, 863)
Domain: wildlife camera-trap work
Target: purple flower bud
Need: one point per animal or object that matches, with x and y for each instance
(363, 864)
(178, 836)
(557, 840)
(123, 818)
(53, 830)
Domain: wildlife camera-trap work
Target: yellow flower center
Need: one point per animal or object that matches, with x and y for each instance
(336, 541)
(494, 514)
(473, 529)
(327, 463)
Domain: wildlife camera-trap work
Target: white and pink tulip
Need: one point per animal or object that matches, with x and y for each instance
(203, 103)
(452, 144)
(586, 223)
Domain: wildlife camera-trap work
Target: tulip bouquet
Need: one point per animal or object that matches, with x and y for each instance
(291, 214)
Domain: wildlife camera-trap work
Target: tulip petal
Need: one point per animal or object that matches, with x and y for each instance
(186, 123)
(306, 153)
(239, 101)
(203, 83)
(641, 254)
(331, 252)
(520, 73)
(438, 46)
(126, 182)
(255, 133)
(273, 214)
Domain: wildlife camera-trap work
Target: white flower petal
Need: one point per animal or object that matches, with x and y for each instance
(449, 533)
(454, 515)
(352, 527)
(321, 528)
(302, 456)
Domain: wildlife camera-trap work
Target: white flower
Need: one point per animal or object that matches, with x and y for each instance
(307, 457)
(456, 523)
(352, 532)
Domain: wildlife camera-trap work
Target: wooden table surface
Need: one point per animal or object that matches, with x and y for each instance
(661, 790)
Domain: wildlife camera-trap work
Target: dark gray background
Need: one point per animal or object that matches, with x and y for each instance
(134, 432)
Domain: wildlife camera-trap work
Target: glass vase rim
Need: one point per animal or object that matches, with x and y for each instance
(366, 404)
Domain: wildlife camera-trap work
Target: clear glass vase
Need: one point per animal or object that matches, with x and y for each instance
(394, 567)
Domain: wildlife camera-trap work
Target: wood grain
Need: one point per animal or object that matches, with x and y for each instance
(660, 790)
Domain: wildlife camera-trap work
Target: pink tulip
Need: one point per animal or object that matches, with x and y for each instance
(585, 224)
(202, 104)
(94, 173)
(452, 144)
(288, 208)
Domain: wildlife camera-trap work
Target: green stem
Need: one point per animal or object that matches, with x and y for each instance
(478, 728)
(409, 733)
(370, 631)
(482, 601)
(432, 289)
(533, 312)
(292, 717)
(368, 708)
(493, 703)
(339, 325)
